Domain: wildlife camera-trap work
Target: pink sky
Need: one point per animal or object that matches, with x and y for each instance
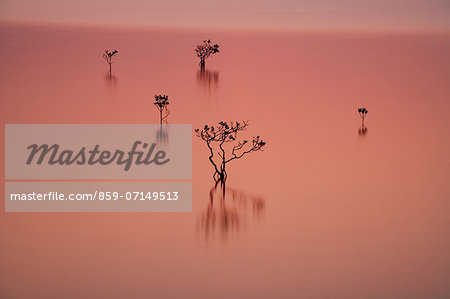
(397, 15)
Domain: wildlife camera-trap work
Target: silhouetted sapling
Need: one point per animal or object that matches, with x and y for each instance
(161, 102)
(108, 57)
(225, 135)
(362, 112)
(205, 50)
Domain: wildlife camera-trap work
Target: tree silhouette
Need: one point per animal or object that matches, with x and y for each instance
(205, 50)
(362, 112)
(224, 146)
(161, 102)
(108, 57)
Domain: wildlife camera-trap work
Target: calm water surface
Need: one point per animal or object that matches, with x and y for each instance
(323, 212)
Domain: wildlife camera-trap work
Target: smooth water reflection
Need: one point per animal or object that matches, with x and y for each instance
(162, 133)
(338, 218)
(208, 80)
(227, 212)
(362, 131)
(111, 80)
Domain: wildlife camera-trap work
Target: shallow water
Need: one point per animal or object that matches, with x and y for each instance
(323, 212)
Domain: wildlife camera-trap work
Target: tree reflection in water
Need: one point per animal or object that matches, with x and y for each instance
(208, 79)
(362, 130)
(228, 211)
(111, 80)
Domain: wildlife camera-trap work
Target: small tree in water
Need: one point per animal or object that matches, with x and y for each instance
(161, 102)
(362, 112)
(108, 57)
(205, 50)
(224, 146)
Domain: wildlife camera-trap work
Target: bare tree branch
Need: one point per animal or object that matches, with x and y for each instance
(108, 55)
(205, 50)
(222, 134)
(161, 103)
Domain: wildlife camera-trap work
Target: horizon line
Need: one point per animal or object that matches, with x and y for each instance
(256, 29)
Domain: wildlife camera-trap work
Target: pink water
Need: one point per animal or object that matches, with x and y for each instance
(322, 212)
